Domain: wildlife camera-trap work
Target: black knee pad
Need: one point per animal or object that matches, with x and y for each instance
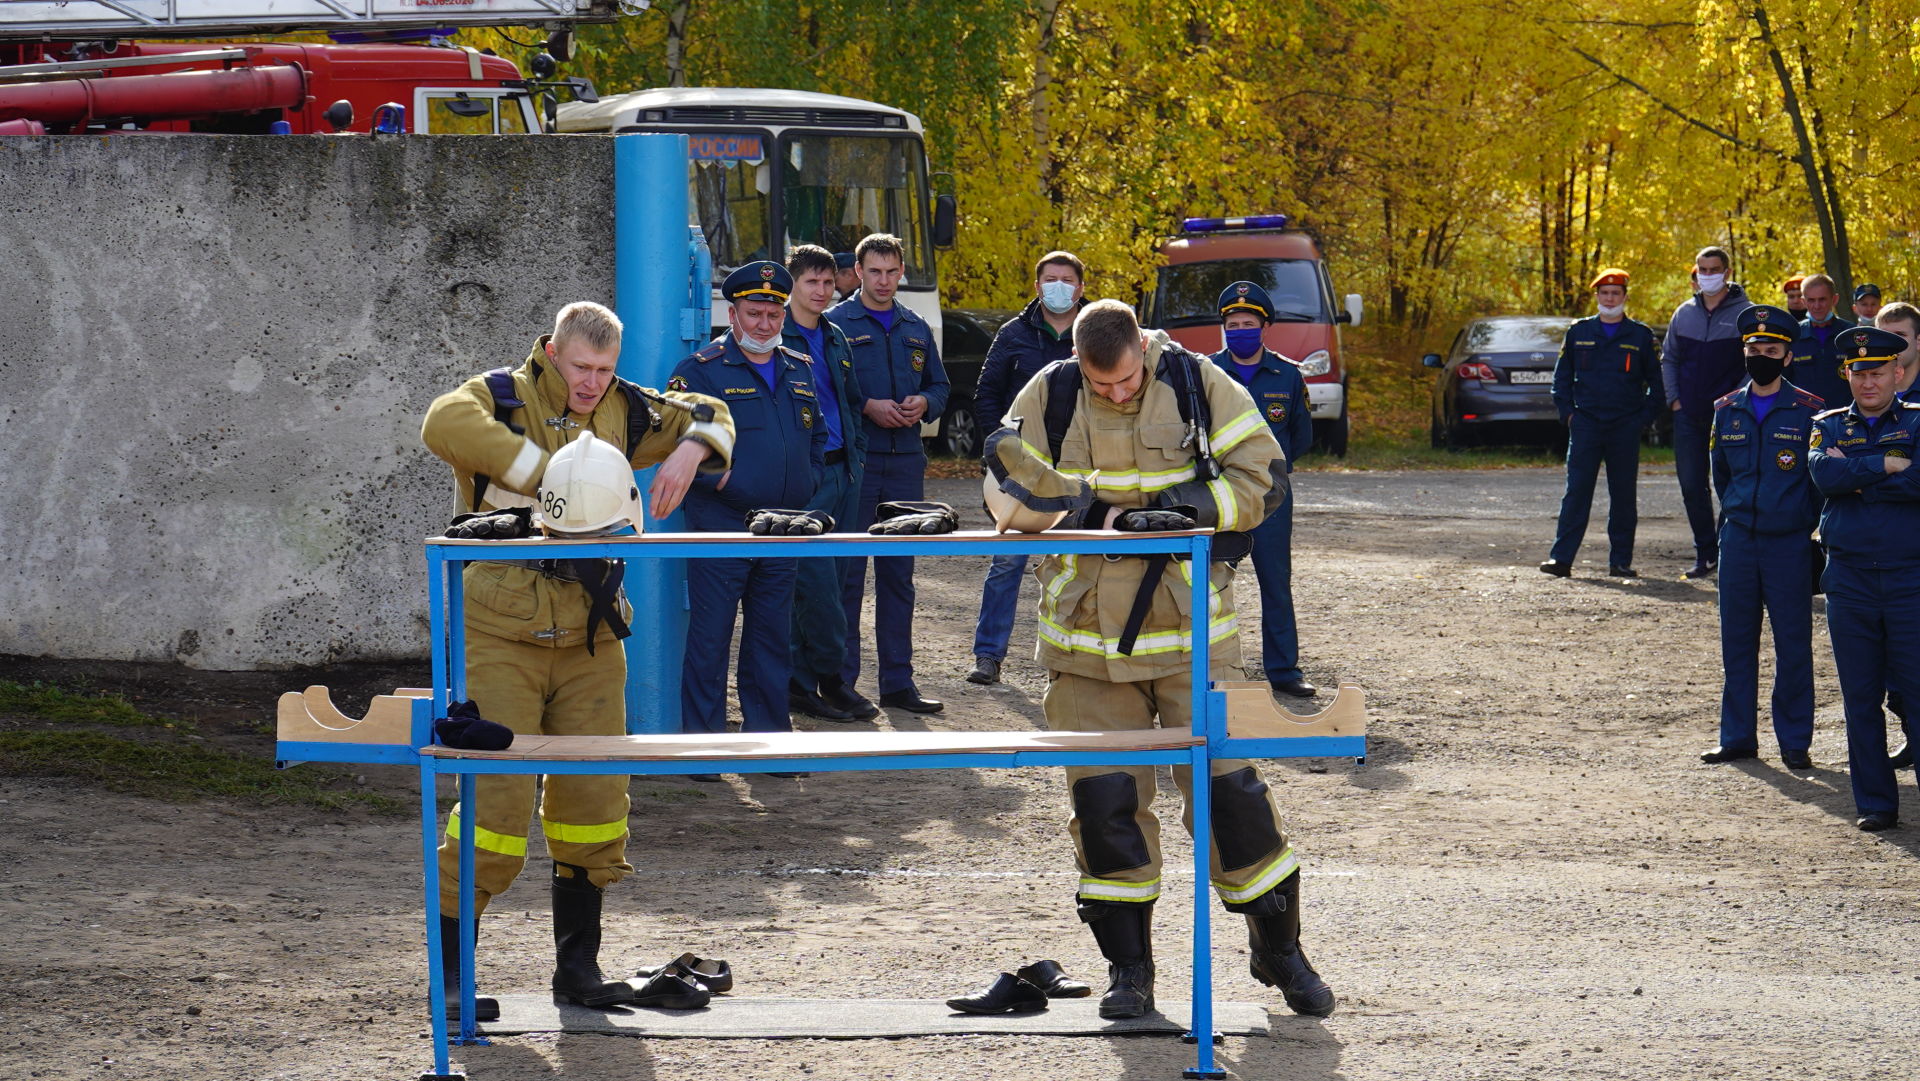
(1110, 839)
(1243, 826)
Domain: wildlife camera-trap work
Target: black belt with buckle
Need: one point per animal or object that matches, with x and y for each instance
(835, 457)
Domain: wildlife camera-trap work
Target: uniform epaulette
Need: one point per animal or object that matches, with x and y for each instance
(1808, 398)
(1725, 400)
(796, 354)
(1909, 405)
(709, 351)
(1829, 413)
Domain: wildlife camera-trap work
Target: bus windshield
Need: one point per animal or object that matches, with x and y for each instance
(729, 178)
(1189, 293)
(836, 189)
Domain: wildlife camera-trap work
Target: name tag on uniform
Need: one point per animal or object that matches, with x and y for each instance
(1854, 442)
(802, 390)
(861, 340)
(1789, 435)
(1583, 345)
(1733, 437)
(740, 392)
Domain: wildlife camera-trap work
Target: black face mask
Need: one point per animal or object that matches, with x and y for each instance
(1764, 369)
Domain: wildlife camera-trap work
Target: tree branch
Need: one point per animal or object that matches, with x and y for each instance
(1657, 100)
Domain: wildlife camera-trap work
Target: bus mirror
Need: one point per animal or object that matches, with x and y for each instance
(1433, 360)
(583, 89)
(945, 219)
(1352, 314)
(462, 105)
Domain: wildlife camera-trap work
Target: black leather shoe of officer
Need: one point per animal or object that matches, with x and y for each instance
(804, 699)
(484, 1008)
(1048, 976)
(1902, 758)
(1558, 570)
(1700, 569)
(1123, 930)
(1008, 994)
(1622, 572)
(911, 701)
(1295, 688)
(1796, 759)
(576, 943)
(1728, 754)
(835, 692)
(1877, 821)
(986, 670)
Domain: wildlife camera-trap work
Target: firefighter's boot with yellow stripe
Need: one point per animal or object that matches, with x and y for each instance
(576, 941)
(484, 1008)
(1123, 931)
(1278, 960)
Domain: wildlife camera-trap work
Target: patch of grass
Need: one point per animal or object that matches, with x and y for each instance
(175, 771)
(56, 704)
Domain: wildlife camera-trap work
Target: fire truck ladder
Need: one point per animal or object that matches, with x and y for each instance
(69, 19)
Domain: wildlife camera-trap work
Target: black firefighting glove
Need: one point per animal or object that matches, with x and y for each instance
(776, 522)
(1157, 519)
(512, 524)
(465, 729)
(913, 516)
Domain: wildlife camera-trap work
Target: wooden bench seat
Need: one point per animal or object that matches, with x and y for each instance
(762, 745)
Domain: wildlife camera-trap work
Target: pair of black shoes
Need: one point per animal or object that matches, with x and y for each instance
(1877, 821)
(833, 700)
(1023, 990)
(1792, 759)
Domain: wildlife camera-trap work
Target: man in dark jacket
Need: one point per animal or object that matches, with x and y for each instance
(1701, 361)
(1040, 335)
(1603, 387)
(1815, 359)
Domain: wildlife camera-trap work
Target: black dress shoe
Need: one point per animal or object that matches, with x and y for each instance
(666, 990)
(1728, 754)
(1703, 568)
(1049, 977)
(804, 699)
(1902, 758)
(1795, 759)
(1622, 572)
(986, 670)
(1558, 570)
(846, 699)
(911, 701)
(1009, 994)
(1877, 821)
(1295, 688)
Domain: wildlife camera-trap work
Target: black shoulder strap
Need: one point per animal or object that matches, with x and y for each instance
(500, 385)
(642, 417)
(1063, 395)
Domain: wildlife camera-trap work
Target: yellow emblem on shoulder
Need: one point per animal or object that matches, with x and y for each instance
(806, 418)
(677, 383)
(1818, 438)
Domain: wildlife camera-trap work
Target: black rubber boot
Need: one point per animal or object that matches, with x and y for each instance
(1278, 960)
(576, 943)
(484, 1008)
(1124, 932)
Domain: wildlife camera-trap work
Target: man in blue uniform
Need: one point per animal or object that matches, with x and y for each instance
(1699, 362)
(780, 441)
(1903, 319)
(1816, 359)
(898, 365)
(1866, 305)
(1603, 387)
(1861, 457)
(819, 619)
(1767, 513)
(1041, 334)
(1280, 395)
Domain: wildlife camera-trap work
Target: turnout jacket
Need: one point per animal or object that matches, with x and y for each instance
(1131, 455)
(515, 600)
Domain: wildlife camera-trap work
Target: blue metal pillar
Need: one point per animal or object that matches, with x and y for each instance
(661, 291)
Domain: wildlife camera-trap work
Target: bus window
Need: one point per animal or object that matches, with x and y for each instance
(730, 205)
(839, 188)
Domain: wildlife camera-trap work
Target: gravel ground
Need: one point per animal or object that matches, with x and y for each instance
(1531, 876)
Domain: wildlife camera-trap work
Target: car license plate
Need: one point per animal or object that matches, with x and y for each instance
(1529, 377)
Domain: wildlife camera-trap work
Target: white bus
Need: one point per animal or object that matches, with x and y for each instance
(771, 169)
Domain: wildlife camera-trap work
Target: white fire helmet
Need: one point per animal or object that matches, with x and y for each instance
(1010, 515)
(588, 488)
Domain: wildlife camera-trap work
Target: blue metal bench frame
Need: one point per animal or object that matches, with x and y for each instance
(446, 606)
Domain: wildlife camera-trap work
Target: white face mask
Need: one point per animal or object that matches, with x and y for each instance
(1611, 310)
(1711, 283)
(755, 345)
(1057, 296)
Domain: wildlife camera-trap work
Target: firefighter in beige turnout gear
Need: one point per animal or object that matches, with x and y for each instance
(529, 661)
(1128, 445)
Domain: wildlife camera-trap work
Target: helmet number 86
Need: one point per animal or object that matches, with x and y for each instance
(554, 506)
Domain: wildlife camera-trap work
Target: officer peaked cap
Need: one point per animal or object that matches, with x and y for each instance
(1246, 297)
(1766, 323)
(758, 281)
(1867, 347)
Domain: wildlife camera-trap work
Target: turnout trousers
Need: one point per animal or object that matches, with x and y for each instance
(1116, 836)
(538, 690)
(1771, 572)
(819, 616)
(888, 477)
(1591, 444)
(1273, 568)
(1873, 616)
(761, 592)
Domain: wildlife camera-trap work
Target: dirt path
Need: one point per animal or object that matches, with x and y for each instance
(1532, 875)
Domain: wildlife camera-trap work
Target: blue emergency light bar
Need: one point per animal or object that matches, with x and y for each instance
(1251, 221)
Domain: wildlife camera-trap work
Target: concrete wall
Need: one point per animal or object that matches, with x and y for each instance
(216, 353)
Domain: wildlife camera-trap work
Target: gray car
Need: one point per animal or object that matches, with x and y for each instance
(1496, 382)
